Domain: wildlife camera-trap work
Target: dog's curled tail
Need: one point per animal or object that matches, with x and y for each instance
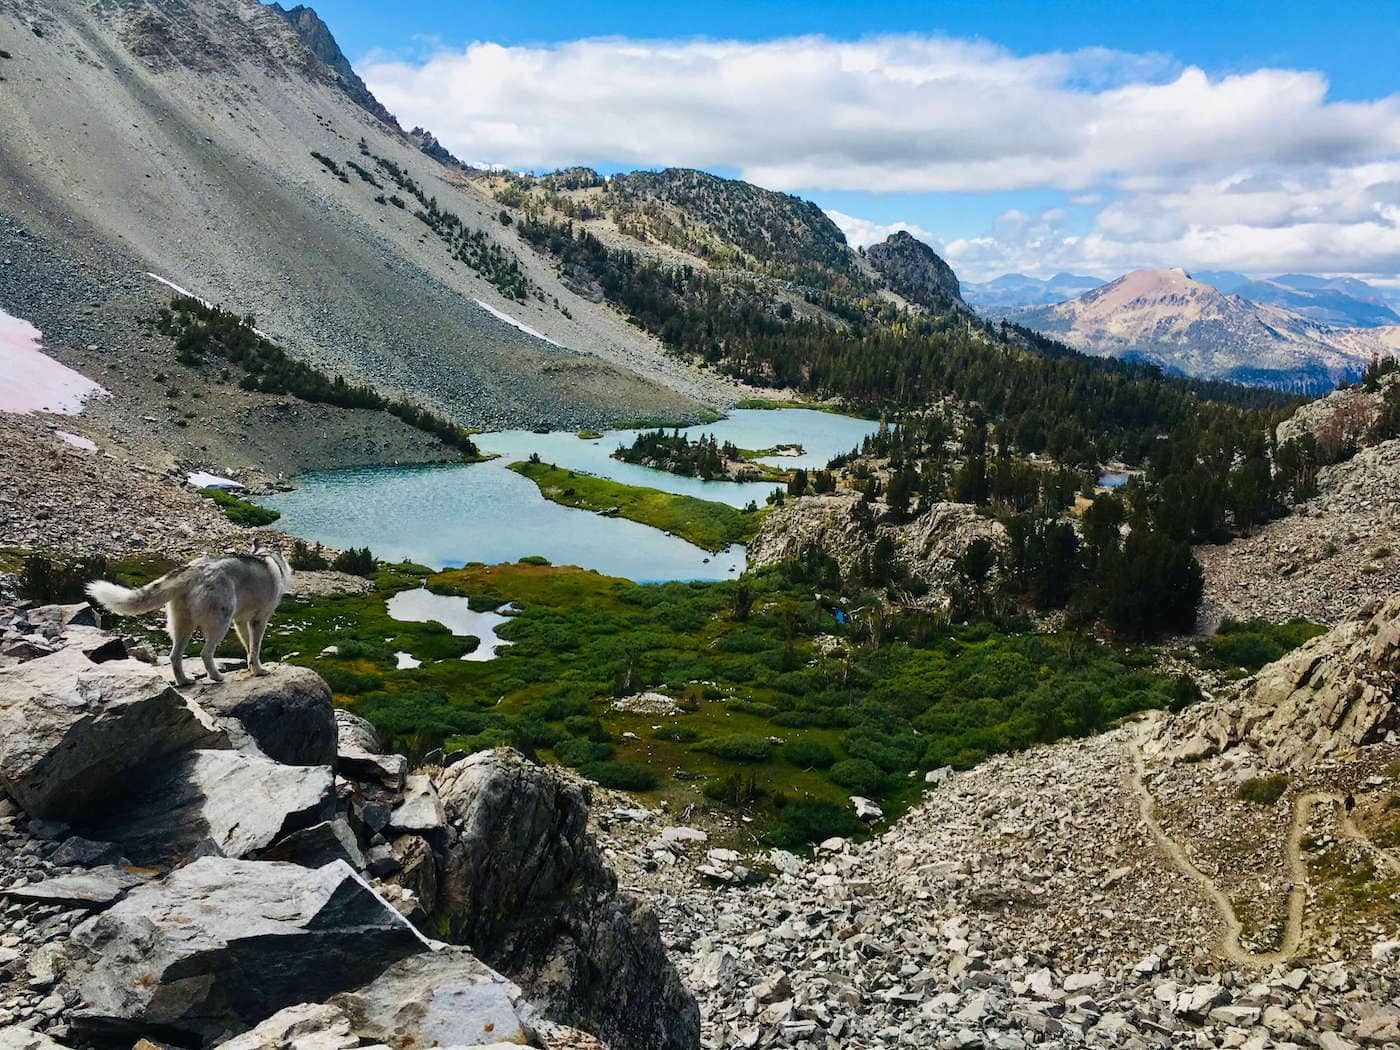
(127, 602)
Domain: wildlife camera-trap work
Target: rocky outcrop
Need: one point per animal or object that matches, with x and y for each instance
(523, 884)
(221, 944)
(928, 547)
(288, 713)
(1337, 692)
(915, 271)
(1339, 422)
(71, 731)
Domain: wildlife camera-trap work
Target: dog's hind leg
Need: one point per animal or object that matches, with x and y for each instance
(214, 633)
(181, 630)
(255, 630)
(244, 630)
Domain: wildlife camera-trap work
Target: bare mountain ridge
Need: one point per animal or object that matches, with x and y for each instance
(686, 217)
(1186, 326)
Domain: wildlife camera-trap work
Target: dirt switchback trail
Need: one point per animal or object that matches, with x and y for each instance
(1230, 945)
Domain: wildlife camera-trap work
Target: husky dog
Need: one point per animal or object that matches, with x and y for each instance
(208, 595)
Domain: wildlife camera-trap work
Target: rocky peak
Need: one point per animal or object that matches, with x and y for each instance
(429, 145)
(316, 35)
(915, 271)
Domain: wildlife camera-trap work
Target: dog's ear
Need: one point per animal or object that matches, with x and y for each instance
(257, 545)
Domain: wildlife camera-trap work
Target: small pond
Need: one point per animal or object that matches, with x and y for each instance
(421, 605)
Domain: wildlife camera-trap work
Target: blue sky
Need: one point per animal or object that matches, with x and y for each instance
(1088, 136)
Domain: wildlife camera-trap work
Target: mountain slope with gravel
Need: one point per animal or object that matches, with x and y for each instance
(239, 165)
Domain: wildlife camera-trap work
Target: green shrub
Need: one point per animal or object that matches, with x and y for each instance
(348, 682)
(1262, 791)
(738, 748)
(356, 561)
(735, 790)
(678, 734)
(587, 727)
(240, 511)
(809, 820)
(1250, 644)
(44, 580)
(622, 776)
(307, 559)
(572, 751)
(534, 559)
(807, 754)
(859, 775)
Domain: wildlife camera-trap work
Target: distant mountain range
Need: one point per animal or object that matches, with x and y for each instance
(1191, 327)
(1012, 291)
(1337, 301)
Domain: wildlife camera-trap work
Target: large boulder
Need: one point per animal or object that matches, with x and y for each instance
(71, 731)
(235, 802)
(318, 845)
(524, 885)
(288, 712)
(447, 998)
(220, 945)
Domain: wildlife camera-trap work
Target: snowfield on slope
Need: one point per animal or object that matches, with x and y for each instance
(34, 381)
(508, 319)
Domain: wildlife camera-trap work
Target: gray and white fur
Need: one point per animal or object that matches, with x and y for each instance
(209, 595)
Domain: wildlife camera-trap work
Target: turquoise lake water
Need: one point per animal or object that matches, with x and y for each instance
(446, 516)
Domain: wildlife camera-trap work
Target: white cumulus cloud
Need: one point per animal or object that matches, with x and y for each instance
(1257, 170)
(861, 233)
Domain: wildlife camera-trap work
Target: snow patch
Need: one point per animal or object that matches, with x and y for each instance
(407, 661)
(202, 479)
(176, 288)
(508, 319)
(34, 381)
(76, 440)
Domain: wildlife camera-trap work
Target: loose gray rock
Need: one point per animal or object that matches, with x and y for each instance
(318, 845)
(354, 733)
(306, 1026)
(16, 1037)
(98, 888)
(445, 998)
(421, 809)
